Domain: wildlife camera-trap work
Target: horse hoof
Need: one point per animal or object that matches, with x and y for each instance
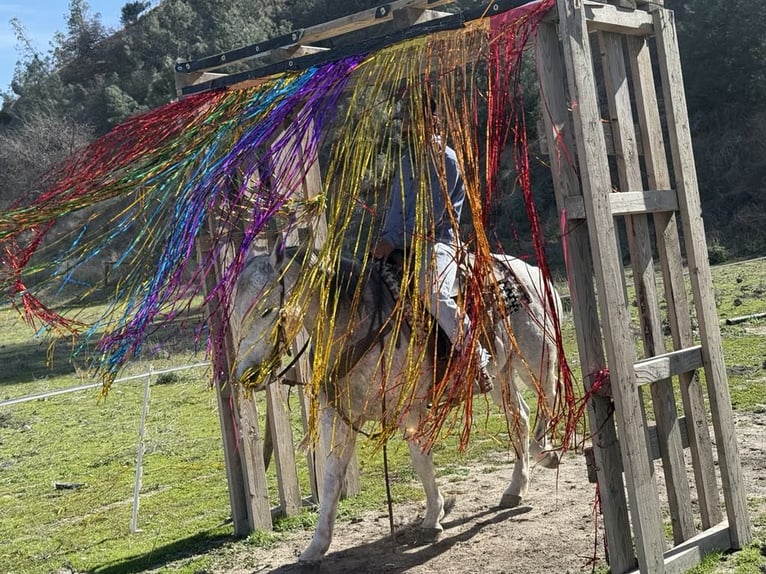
(549, 459)
(309, 566)
(430, 534)
(510, 501)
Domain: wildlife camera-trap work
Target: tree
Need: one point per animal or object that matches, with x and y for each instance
(31, 148)
(131, 11)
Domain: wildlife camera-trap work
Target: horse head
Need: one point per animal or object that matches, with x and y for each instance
(262, 319)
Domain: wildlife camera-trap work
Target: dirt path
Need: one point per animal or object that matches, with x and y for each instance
(552, 532)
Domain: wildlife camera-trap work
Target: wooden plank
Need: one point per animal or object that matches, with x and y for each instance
(686, 556)
(642, 261)
(629, 203)
(615, 320)
(608, 18)
(252, 454)
(671, 263)
(243, 451)
(243, 448)
(542, 142)
(655, 450)
(318, 33)
(701, 280)
(579, 264)
(405, 17)
(284, 450)
(643, 202)
(668, 365)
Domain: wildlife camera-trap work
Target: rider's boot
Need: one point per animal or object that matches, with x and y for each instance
(484, 380)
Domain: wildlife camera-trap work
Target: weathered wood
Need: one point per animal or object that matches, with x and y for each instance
(629, 203)
(668, 365)
(579, 265)
(671, 262)
(409, 16)
(604, 17)
(701, 279)
(642, 261)
(686, 556)
(243, 447)
(307, 36)
(542, 140)
(655, 451)
(284, 450)
(615, 319)
(608, 18)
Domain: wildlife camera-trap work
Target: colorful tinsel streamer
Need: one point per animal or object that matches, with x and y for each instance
(176, 198)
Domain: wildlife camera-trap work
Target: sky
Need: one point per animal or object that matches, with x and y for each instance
(42, 19)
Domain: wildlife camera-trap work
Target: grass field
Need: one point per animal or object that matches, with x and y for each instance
(68, 462)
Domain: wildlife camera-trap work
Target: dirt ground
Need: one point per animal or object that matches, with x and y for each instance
(553, 531)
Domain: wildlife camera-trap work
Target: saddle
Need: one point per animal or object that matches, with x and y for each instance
(507, 291)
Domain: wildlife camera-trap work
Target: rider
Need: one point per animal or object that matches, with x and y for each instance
(438, 275)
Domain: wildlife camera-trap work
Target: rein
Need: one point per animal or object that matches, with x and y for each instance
(282, 343)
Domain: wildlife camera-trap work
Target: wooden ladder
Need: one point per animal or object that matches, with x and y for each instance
(584, 97)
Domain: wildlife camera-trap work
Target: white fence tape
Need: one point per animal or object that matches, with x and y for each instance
(94, 385)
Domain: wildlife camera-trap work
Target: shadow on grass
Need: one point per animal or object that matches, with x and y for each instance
(162, 555)
(36, 359)
(54, 357)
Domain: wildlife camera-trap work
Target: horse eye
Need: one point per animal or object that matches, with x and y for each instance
(267, 312)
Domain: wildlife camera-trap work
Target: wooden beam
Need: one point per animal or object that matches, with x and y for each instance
(655, 451)
(719, 398)
(685, 556)
(318, 33)
(671, 263)
(559, 131)
(629, 203)
(668, 365)
(615, 321)
(608, 18)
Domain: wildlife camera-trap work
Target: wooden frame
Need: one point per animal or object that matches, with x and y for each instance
(646, 197)
(568, 75)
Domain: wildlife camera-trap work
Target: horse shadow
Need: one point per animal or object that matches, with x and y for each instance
(411, 547)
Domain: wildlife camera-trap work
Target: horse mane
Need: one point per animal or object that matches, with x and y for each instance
(349, 277)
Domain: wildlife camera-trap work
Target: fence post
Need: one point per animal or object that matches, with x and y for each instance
(140, 456)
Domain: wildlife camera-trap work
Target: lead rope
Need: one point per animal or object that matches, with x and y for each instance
(389, 499)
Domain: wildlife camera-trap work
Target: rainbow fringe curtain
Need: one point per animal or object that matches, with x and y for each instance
(146, 191)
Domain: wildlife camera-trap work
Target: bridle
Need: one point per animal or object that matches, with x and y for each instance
(281, 349)
(282, 346)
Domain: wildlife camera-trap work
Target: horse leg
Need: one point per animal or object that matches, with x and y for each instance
(507, 395)
(540, 445)
(339, 440)
(424, 465)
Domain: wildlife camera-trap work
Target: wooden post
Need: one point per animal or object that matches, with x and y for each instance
(583, 299)
(615, 320)
(242, 445)
(701, 279)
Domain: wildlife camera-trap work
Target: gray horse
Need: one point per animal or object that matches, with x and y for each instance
(356, 390)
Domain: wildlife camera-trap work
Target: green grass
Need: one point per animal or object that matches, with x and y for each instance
(184, 507)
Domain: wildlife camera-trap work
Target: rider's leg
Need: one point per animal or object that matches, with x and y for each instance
(438, 274)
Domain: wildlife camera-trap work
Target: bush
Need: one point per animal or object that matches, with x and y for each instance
(717, 252)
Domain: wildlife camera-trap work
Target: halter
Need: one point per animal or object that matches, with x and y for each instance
(280, 349)
(282, 346)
